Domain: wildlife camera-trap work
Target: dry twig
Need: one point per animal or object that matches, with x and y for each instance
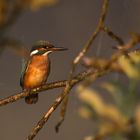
(62, 113)
(113, 36)
(89, 43)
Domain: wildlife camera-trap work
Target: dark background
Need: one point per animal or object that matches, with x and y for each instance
(68, 24)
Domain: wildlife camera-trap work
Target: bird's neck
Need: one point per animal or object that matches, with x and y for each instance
(40, 59)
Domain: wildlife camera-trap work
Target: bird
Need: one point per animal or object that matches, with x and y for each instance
(37, 68)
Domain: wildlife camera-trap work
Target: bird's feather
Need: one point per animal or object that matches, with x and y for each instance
(23, 71)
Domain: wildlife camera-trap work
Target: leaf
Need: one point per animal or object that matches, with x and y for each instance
(135, 56)
(116, 89)
(86, 113)
(130, 67)
(104, 110)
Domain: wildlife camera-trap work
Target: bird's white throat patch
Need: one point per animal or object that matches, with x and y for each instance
(33, 52)
(46, 53)
(36, 51)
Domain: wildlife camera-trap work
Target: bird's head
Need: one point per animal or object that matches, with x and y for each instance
(44, 48)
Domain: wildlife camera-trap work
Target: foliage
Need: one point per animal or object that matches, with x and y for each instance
(119, 119)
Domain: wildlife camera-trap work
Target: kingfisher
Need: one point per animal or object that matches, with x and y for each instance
(37, 68)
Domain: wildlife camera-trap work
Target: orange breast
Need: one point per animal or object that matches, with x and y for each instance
(37, 72)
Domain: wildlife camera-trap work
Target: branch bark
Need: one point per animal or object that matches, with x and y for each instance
(53, 85)
(60, 98)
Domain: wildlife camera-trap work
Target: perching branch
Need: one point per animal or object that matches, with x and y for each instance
(60, 98)
(53, 85)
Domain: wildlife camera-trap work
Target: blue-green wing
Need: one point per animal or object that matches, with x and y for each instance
(23, 71)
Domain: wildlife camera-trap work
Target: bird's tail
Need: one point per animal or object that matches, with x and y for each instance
(31, 99)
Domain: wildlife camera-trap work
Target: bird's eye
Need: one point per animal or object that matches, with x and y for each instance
(45, 47)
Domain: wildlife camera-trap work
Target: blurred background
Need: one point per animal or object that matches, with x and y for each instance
(67, 23)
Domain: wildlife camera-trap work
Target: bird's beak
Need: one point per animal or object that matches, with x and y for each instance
(58, 49)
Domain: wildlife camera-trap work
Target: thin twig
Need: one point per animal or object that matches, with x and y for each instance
(111, 64)
(62, 113)
(101, 64)
(84, 50)
(94, 35)
(113, 36)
